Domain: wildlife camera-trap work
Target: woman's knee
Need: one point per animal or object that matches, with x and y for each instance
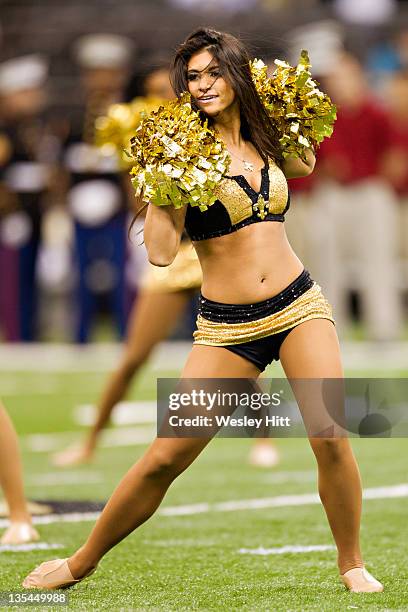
(132, 362)
(165, 463)
(331, 450)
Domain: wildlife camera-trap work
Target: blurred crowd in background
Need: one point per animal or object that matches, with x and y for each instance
(66, 261)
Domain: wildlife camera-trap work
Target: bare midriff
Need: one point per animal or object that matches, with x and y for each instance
(249, 265)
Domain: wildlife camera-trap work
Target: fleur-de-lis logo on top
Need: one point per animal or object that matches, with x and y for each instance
(261, 207)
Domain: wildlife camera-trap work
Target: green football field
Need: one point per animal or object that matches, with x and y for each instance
(200, 552)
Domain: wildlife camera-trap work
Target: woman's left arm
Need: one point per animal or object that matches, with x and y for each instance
(296, 167)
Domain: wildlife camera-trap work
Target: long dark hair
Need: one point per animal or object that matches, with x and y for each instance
(234, 63)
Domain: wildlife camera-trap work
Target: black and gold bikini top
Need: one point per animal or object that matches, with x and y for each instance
(238, 205)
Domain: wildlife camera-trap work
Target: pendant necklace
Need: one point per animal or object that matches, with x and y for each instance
(248, 166)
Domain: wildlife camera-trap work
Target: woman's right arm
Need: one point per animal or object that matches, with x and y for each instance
(162, 233)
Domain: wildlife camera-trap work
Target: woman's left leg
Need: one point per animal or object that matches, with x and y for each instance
(311, 351)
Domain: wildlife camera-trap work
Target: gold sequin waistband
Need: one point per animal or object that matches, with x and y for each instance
(310, 305)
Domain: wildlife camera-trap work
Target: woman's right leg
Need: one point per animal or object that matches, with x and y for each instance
(140, 492)
(153, 317)
(136, 498)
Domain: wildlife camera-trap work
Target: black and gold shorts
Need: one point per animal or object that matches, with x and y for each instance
(256, 331)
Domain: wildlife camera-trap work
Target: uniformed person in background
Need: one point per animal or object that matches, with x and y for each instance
(97, 196)
(358, 208)
(27, 152)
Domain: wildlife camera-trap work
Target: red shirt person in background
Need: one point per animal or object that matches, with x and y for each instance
(395, 162)
(362, 130)
(357, 207)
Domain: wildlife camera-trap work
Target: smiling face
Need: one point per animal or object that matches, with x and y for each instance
(212, 92)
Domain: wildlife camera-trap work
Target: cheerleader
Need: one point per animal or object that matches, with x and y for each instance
(258, 304)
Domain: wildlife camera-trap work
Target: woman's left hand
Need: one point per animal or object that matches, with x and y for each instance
(294, 167)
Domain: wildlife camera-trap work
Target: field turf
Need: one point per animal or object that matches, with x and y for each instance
(193, 561)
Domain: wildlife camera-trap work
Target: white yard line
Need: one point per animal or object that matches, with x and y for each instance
(285, 549)
(279, 501)
(59, 357)
(129, 436)
(69, 517)
(44, 385)
(102, 356)
(282, 477)
(125, 413)
(28, 547)
(396, 491)
(52, 479)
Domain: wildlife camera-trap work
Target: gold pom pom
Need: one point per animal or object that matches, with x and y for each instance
(114, 130)
(302, 113)
(177, 159)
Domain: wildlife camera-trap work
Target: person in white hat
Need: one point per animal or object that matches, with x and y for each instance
(97, 197)
(21, 80)
(24, 181)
